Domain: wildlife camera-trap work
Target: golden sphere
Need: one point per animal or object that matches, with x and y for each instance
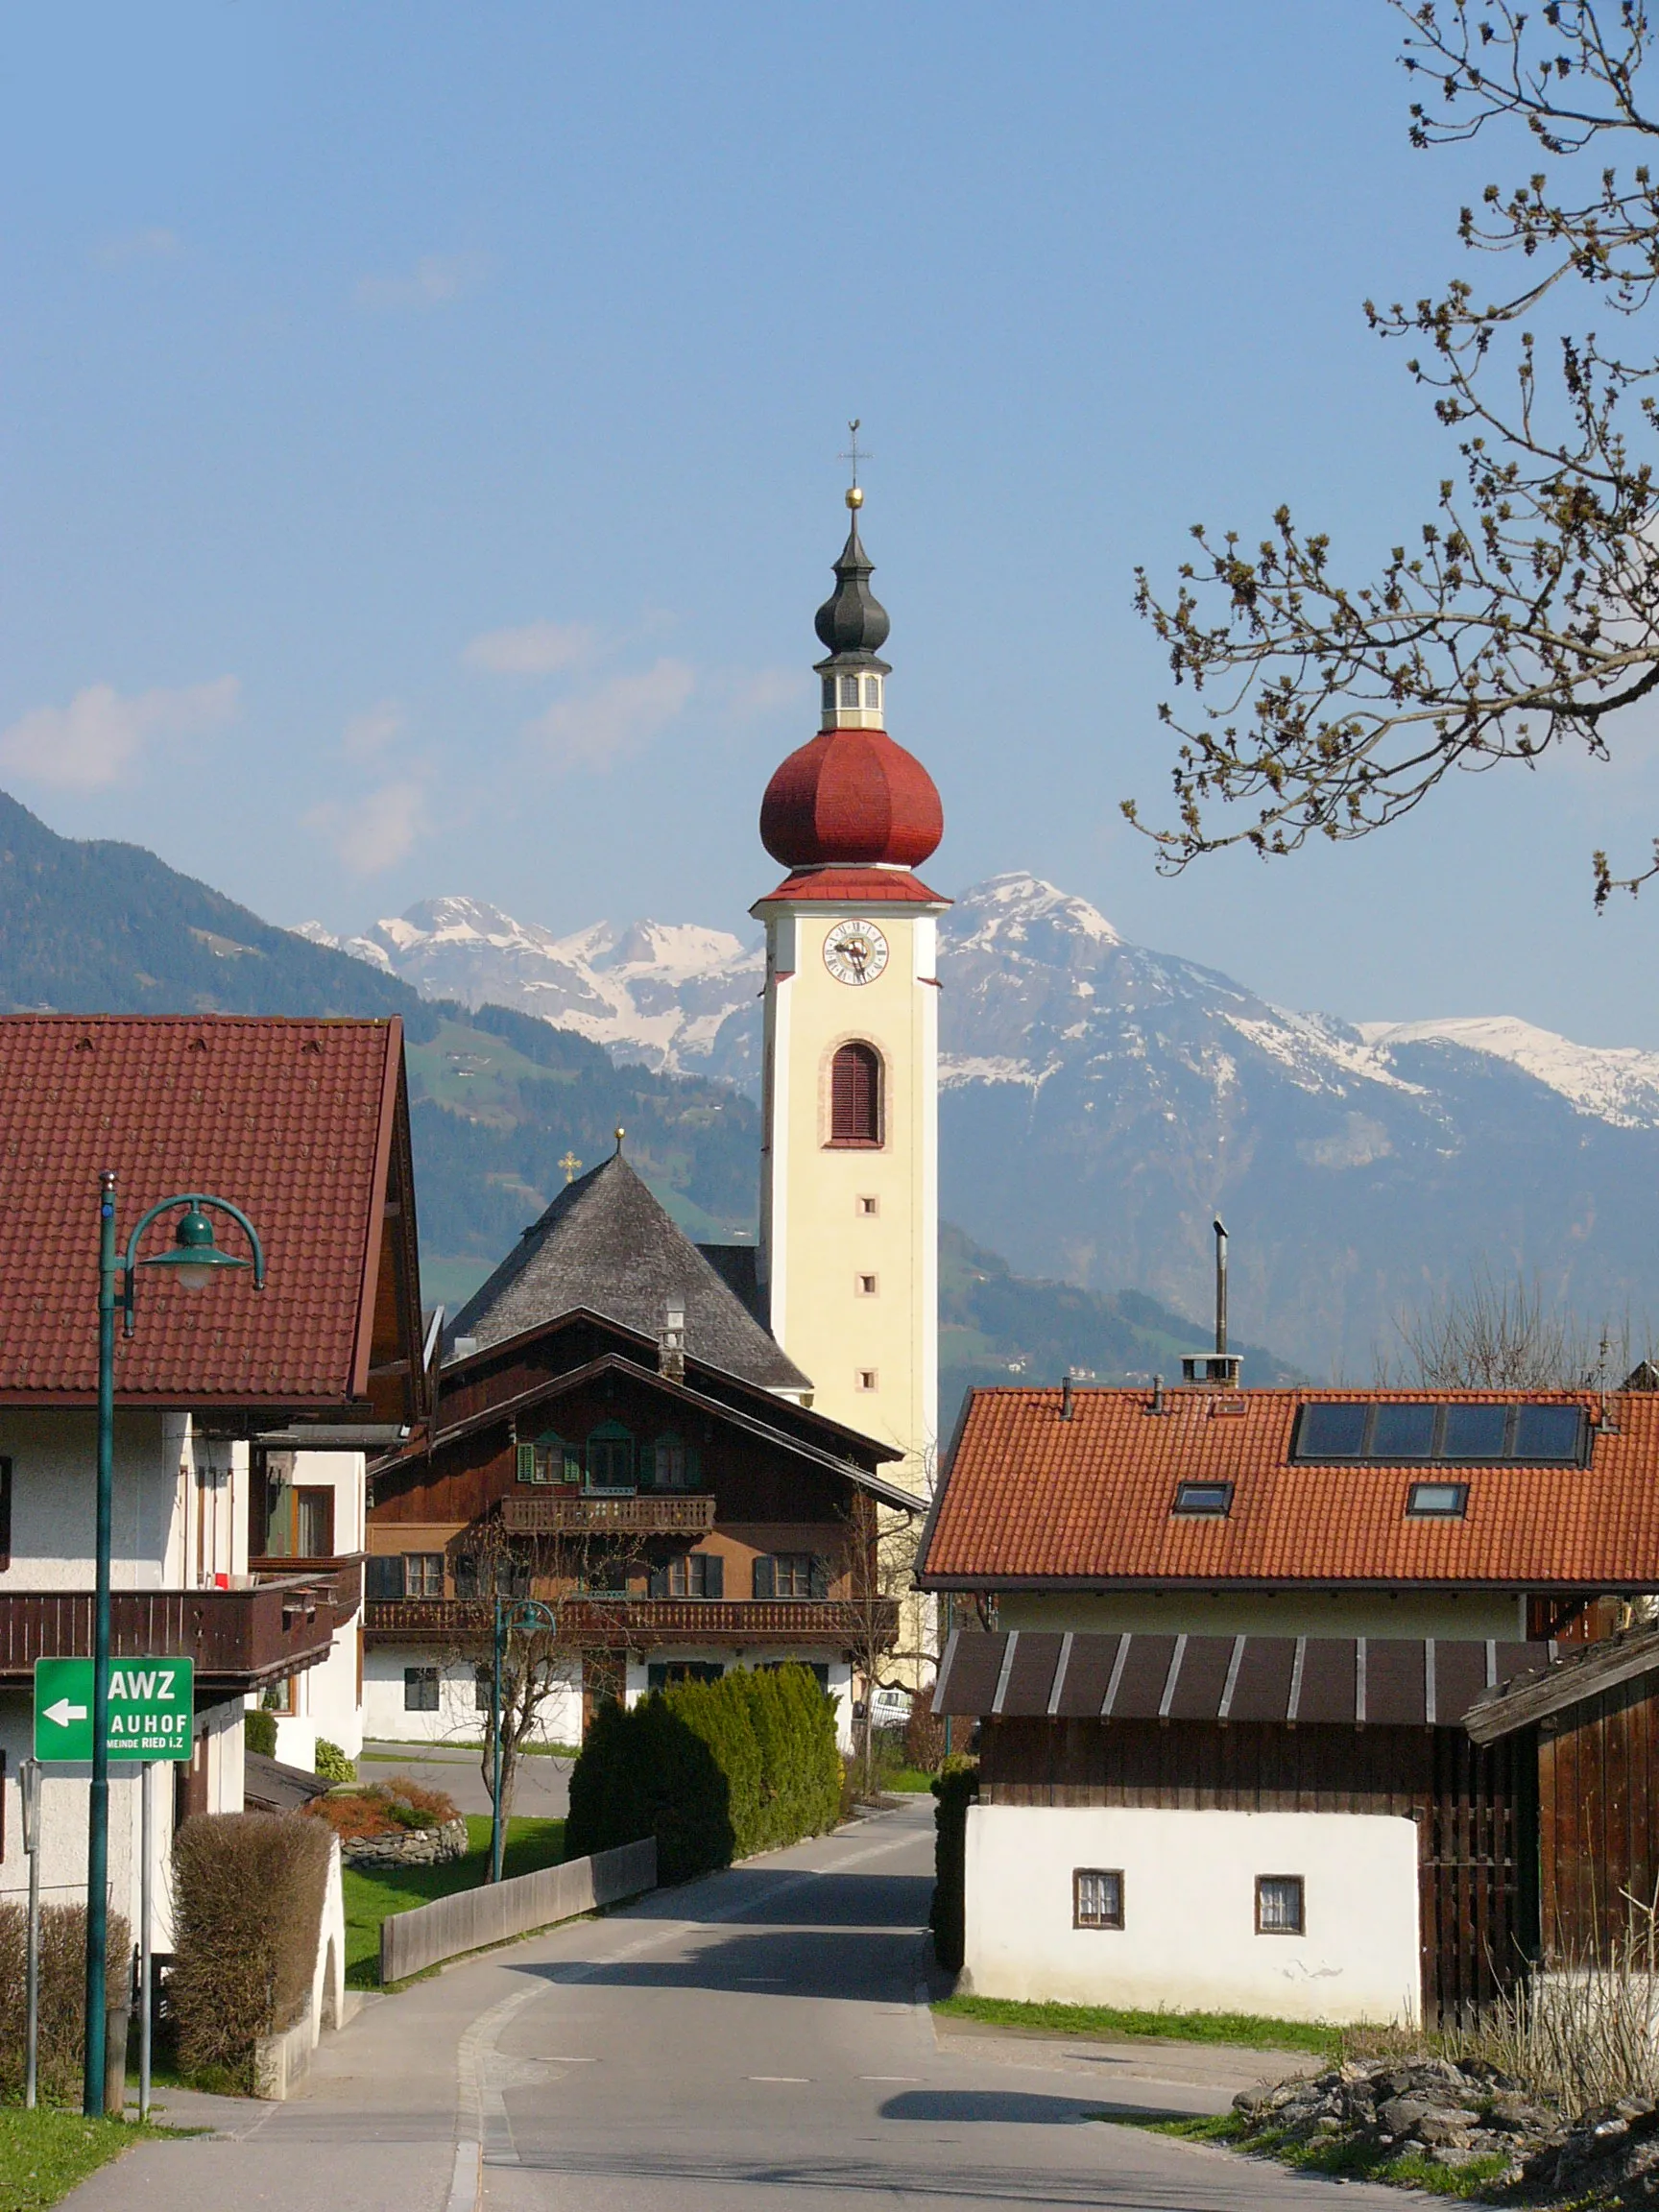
(855, 497)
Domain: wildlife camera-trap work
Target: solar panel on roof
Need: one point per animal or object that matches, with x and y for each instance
(1547, 1432)
(1403, 1432)
(1332, 1431)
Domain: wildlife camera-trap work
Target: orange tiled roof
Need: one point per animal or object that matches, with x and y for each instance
(1030, 1500)
(289, 1120)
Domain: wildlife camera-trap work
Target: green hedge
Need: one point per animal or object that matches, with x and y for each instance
(714, 1770)
(953, 1792)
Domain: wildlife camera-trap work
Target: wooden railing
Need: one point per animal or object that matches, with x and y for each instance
(651, 1513)
(638, 1623)
(240, 1640)
(341, 1577)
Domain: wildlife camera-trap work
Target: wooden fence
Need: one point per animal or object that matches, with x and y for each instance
(473, 1919)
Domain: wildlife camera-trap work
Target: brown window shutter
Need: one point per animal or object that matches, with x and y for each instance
(855, 1096)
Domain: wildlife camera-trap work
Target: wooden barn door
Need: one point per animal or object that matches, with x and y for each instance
(1478, 1874)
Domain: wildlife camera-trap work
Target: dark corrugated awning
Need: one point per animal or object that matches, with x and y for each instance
(1311, 1680)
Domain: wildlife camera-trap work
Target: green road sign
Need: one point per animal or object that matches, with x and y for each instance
(150, 1705)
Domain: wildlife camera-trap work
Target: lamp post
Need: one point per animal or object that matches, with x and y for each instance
(510, 1613)
(193, 1263)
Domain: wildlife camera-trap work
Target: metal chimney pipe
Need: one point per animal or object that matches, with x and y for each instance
(1066, 1397)
(1220, 1230)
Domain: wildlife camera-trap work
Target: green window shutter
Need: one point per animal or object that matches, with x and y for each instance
(713, 1575)
(526, 1462)
(658, 1582)
(765, 1582)
(820, 1581)
(573, 1464)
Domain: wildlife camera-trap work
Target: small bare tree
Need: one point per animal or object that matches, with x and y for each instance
(882, 1619)
(1498, 1333)
(538, 1660)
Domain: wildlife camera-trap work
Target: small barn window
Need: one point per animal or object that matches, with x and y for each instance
(855, 1096)
(1098, 1897)
(1280, 1905)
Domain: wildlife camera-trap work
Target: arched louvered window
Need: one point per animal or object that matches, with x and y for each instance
(855, 1095)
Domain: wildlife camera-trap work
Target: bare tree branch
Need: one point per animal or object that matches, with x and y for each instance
(1524, 613)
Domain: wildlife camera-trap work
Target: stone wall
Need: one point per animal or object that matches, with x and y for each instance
(408, 1847)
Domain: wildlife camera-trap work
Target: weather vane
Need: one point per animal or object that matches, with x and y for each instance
(855, 451)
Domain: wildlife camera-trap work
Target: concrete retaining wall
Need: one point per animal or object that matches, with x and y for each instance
(498, 1911)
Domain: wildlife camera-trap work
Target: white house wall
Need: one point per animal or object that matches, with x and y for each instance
(457, 1721)
(325, 1697)
(1188, 1938)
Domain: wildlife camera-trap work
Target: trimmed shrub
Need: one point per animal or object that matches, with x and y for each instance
(714, 1770)
(259, 1732)
(61, 2046)
(953, 1791)
(331, 1763)
(249, 1889)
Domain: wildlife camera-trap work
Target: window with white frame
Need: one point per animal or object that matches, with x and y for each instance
(1098, 1897)
(420, 1688)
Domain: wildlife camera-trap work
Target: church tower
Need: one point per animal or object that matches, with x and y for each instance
(850, 1165)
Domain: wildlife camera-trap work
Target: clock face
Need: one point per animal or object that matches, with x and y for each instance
(855, 951)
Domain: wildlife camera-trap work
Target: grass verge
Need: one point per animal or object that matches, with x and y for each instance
(374, 1894)
(44, 2154)
(1345, 2161)
(1110, 2022)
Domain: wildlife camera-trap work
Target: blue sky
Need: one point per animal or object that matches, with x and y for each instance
(418, 432)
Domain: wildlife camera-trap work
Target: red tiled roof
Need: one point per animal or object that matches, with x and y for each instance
(291, 1120)
(856, 886)
(1030, 1498)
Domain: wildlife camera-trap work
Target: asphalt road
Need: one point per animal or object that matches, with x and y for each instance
(541, 1789)
(756, 2035)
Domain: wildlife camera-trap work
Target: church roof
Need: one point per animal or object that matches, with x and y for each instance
(607, 1245)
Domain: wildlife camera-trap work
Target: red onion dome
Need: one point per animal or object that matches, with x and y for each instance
(850, 798)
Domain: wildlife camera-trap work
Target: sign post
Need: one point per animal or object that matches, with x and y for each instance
(29, 1778)
(151, 1703)
(151, 1711)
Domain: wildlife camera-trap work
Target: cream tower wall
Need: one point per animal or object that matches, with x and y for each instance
(817, 1241)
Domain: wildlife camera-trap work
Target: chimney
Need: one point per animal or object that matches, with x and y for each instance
(1157, 1405)
(1220, 1230)
(671, 1344)
(1065, 1396)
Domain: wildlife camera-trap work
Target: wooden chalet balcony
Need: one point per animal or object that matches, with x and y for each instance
(644, 1623)
(240, 1640)
(578, 1512)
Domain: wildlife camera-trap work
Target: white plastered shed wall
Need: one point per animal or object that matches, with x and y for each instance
(1189, 1939)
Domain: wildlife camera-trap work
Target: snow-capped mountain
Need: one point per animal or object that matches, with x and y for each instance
(1101, 1101)
(671, 996)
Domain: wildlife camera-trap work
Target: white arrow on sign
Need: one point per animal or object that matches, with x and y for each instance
(63, 1712)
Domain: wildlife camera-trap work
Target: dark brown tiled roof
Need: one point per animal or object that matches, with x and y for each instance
(607, 1245)
(1030, 1498)
(1339, 1680)
(291, 1120)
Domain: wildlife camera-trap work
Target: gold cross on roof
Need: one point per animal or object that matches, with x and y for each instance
(570, 1163)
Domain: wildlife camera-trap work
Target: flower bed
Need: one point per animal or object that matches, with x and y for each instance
(396, 1823)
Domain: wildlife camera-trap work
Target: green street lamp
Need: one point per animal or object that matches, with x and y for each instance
(510, 1613)
(193, 1263)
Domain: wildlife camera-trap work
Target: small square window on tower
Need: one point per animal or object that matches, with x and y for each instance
(866, 1378)
(868, 1207)
(865, 1286)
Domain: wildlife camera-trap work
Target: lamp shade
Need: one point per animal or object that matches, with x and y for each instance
(195, 1259)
